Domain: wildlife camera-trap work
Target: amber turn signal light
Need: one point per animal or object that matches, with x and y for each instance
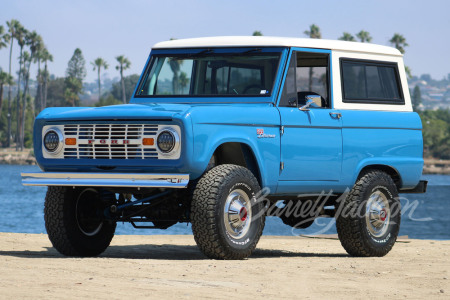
(148, 142)
(71, 141)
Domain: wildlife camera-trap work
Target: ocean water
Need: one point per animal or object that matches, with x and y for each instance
(424, 216)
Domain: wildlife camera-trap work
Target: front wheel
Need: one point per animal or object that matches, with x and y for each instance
(368, 221)
(227, 218)
(74, 220)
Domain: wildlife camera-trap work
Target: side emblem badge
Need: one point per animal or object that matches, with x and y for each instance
(260, 134)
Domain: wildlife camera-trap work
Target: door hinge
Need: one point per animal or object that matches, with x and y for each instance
(282, 130)
(281, 166)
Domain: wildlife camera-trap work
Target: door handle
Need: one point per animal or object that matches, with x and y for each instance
(335, 115)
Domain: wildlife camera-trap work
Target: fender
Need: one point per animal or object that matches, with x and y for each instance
(232, 125)
(409, 169)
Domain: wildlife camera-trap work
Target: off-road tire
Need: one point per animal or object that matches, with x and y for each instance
(352, 226)
(208, 216)
(62, 225)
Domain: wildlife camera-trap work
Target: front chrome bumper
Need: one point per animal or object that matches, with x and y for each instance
(106, 179)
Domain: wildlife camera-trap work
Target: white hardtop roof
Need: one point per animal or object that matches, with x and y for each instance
(266, 41)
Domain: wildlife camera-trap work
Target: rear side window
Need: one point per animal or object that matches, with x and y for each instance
(370, 82)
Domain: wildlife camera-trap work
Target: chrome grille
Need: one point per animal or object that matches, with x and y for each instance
(110, 141)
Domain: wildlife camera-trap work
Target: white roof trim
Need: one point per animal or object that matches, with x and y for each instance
(265, 41)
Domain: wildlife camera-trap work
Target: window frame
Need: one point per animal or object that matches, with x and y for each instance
(329, 74)
(377, 63)
(224, 51)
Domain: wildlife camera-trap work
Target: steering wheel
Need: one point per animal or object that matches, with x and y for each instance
(301, 97)
(252, 86)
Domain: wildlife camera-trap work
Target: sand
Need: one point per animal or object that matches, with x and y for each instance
(167, 267)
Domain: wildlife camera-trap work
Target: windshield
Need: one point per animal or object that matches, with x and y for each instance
(205, 73)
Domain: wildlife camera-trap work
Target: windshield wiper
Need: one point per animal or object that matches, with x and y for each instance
(252, 50)
(206, 51)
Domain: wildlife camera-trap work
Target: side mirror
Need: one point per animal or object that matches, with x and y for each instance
(314, 100)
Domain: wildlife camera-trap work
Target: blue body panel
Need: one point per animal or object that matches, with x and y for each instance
(382, 138)
(319, 151)
(391, 139)
(239, 123)
(311, 146)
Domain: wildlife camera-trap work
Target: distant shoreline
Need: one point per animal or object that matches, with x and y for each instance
(9, 156)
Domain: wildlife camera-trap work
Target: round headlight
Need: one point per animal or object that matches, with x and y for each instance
(166, 141)
(51, 141)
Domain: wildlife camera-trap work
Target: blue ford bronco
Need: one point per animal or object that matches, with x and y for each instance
(221, 132)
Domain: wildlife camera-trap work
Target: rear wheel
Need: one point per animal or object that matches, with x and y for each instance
(369, 222)
(227, 219)
(74, 220)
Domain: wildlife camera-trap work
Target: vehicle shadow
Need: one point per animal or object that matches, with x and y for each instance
(163, 252)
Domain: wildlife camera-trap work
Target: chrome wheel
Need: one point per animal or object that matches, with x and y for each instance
(237, 214)
(88, 221)
(378, 214)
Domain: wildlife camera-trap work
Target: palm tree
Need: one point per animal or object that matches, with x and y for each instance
(45, 57)
(124, 64)
(364, 36)
(12, 28)
(313, 32)
(257, 33)
(34, 42)
(26, 58)
(175, 66)
(347, 37)
(184, 80)
(5, 79)
(408, 72)
(399, 42)
(98, 64)
(21, 32)
(39, 91)
(4, 38)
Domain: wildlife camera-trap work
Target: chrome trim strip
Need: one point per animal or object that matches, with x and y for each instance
(106, 179)
(243, 124)
(360, 127)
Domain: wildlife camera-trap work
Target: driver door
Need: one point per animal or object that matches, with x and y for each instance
(311, 145)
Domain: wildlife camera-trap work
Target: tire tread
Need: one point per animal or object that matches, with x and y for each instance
(349, 228)
(204, 207)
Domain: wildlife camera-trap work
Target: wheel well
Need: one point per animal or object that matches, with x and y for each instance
(387, 169)
(237, 154)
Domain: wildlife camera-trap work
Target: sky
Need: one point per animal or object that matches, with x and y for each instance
(110, 28)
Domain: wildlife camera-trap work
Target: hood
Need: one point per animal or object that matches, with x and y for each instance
(155, 111)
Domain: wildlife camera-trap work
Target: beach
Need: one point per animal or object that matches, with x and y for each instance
(138, 267)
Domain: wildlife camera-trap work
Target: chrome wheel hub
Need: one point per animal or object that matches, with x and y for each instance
(237, 214)
(377, 214)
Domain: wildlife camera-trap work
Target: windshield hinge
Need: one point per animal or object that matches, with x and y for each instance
(282, 130)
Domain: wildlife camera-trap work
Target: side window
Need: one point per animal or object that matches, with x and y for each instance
(370, 82)
(308, 74)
